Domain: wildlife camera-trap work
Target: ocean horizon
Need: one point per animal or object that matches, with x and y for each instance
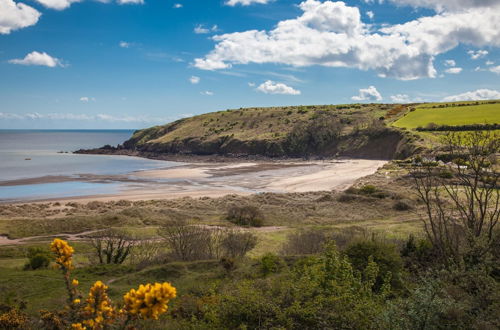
(39, 153)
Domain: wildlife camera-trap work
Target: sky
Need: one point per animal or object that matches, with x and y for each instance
(82, 64)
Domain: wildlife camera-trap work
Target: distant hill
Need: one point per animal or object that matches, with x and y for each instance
(374, 131)
(356, 130)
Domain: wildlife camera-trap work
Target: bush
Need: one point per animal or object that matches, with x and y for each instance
(346, 197)
(385, 255)
(246, 215)
(270, 264)
(368, 189)
(236, 244)
(401, 206)
(37, 258)
(305, 242)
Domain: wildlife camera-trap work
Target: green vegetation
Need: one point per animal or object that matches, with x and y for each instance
(358, 259)
(453, 115)
(295, 131)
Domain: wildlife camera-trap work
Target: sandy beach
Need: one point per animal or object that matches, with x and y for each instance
(219, 179)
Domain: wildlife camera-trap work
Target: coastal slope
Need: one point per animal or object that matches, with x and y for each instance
(356, 130)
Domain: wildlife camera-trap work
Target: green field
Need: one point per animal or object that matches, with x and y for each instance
(462, 115)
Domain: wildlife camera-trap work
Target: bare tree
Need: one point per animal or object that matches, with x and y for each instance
(237, 243)
(462, 200)
(112, 246)
(189, 242)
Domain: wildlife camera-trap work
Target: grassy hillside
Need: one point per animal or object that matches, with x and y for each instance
(451, 114)
(296, 131)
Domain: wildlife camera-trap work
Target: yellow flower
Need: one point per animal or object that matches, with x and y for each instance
(78, 326)
(75, 282)
(98, 310)
(63, 252)
(76, 301)
(150, 300)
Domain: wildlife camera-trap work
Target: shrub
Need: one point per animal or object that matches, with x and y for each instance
(346, 197)
(368, 189)
(245, 215)
(37, 258)
(446, 174)
(236, 244)
(401, 206)
(305, 242)
(271, 263)
(112, 246)
(385, 255)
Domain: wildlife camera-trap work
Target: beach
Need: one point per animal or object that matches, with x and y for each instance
(218, 179)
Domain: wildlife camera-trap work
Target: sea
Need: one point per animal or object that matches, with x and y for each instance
(29, 154)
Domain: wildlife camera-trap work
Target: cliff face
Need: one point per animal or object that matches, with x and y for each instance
(313, 131)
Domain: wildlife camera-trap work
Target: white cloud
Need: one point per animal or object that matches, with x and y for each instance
(453, 70)
(332, 34)
(271, 87)
(130, 2)
(85, 117)
(450, 63)
(477, 95)
(124, 44)
(57, 4)
(400, 98)
(245, 2)
(200, 29)
(488, 63)
(177, 5)
(370, 14)
(477, 54)
(495, 69)
(36, 58)
(251, 84)
(15, 16)
(442, 5)
(208, 93)
(194, 80)
(87, 99)
(368, 94)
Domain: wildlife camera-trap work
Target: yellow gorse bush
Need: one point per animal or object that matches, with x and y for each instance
(98, 311)
(149, 301)
(63, 252)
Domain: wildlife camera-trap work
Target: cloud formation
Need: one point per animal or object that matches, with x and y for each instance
(332, 34)
(84, 117)
(246, 2)
(442, 5)
(271, 87)
(130, 2)
(194, 80)
(15, 16)
(453, 70)
(87, 99)
(57, 4)
(368, 94)
(200, 29)
(477, 95)
(477, 54)
(400, 98)
(36, 58)
(495, 69)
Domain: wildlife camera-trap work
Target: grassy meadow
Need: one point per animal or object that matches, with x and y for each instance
(452, 115)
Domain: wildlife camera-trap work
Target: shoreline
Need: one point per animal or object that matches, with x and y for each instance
(217, 179)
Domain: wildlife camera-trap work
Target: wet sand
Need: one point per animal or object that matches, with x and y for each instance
(219, 179)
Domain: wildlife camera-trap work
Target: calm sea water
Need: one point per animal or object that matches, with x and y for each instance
(33, 154)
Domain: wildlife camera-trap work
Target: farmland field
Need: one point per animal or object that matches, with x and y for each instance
(462, 115)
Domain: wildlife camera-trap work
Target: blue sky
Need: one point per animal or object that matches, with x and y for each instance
(130, 65)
